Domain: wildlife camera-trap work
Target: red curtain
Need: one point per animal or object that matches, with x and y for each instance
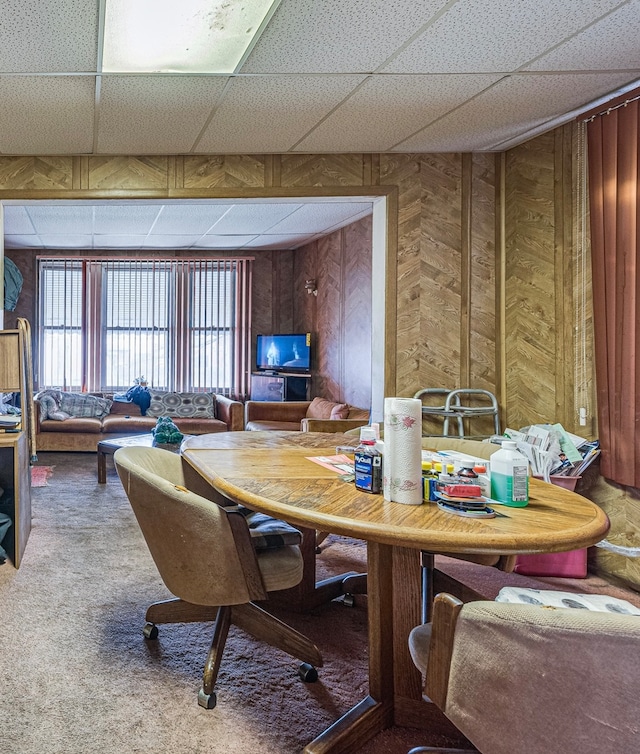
(613, 140)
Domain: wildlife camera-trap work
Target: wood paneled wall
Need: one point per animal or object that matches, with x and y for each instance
(481, 291)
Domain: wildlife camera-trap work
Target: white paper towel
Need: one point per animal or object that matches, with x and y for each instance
(402, 462)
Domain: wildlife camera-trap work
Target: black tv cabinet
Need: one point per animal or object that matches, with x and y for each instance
(280, 386)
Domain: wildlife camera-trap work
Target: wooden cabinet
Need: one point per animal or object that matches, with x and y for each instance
(15, 471)
(279, 387)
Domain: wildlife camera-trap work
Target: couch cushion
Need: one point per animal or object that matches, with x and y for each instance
(83, 404)
(196, 425)
(86, 424)
(182, 404)
(358, 413)
(321, 408)
(264, 426)
(127, 424)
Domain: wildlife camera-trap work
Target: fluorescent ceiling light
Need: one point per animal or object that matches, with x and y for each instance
(184, 36)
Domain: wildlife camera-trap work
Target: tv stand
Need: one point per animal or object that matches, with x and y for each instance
(280, 386)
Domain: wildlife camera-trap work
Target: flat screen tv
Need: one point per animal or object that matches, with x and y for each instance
(284, 353)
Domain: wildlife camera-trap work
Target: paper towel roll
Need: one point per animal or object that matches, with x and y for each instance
(402, 464)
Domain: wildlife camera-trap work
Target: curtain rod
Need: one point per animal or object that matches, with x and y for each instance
(68, 255)
(611, 108)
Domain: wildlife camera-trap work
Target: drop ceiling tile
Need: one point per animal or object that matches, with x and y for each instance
(388, 109)
(117, 241)
(53, 219)
(188, 218)
(516, 103)
(17, 221)
(154, 114)
(314, 218)
(69, 241)
(500, 35)
(270, 114)
(170, 242)
(284, 241)
(223, 242)
(16, 241)
(325, 36)
(52, 36)
(125, 218)
(46, 115)
(253, 218)
(612, 43)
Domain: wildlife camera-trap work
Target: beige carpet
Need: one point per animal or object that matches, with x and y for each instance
(77, 676)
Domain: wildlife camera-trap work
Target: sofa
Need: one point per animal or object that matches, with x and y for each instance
(318, 415)
(79, 421)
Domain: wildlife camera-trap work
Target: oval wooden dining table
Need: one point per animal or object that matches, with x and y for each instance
(271, 472)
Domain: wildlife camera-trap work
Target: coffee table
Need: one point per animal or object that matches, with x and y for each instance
(109, 447)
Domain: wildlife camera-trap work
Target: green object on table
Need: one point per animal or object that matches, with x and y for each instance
(166, 432)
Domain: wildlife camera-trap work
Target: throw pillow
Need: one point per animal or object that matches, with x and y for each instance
(320, 408)
(269, 533)
(83, 405)
(340, 411)
(178, 405)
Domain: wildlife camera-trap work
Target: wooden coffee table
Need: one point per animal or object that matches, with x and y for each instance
(109, 447)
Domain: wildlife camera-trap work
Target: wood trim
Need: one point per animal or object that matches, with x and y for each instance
(446, 609)
(501, 274)
(465, 269)
(391, 289)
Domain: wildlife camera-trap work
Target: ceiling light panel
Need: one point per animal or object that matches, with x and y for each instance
(325, 36)
(464, 38)
(190, 36)
(154, 114)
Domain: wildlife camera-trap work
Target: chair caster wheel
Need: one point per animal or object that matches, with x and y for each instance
(308, 673)
(208, 701)
(150, 631)
(349, 600)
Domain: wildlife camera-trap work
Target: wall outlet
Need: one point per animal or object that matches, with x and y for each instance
(583, 417)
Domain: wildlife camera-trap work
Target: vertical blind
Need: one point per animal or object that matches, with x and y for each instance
(182, 324)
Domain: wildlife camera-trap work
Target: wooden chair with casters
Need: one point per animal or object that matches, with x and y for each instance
(215, 558)
(521, 678)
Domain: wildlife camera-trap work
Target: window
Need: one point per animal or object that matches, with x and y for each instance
(183, 324)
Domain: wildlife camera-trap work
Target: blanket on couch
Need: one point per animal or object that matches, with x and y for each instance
(57, 405)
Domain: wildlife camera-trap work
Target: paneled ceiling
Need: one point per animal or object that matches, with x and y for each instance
(324, 76)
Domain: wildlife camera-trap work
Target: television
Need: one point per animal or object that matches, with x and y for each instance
(284, 353)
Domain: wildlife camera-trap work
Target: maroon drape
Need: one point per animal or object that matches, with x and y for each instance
(613, 139)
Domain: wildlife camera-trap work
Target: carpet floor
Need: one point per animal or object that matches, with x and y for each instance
(77, 675)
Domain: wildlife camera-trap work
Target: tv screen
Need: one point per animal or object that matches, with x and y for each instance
(284, 353)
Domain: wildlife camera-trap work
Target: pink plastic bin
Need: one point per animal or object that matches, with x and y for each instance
(572, 564)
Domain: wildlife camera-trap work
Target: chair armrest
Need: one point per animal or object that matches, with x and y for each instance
(331, 425)
(230, 412)
(275, 411)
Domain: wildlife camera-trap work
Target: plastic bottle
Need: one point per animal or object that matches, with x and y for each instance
(509, 475)
(368, 463)
(483, 479)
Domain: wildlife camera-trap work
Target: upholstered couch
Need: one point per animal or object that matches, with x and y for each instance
(78, 421)
(318, 415)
